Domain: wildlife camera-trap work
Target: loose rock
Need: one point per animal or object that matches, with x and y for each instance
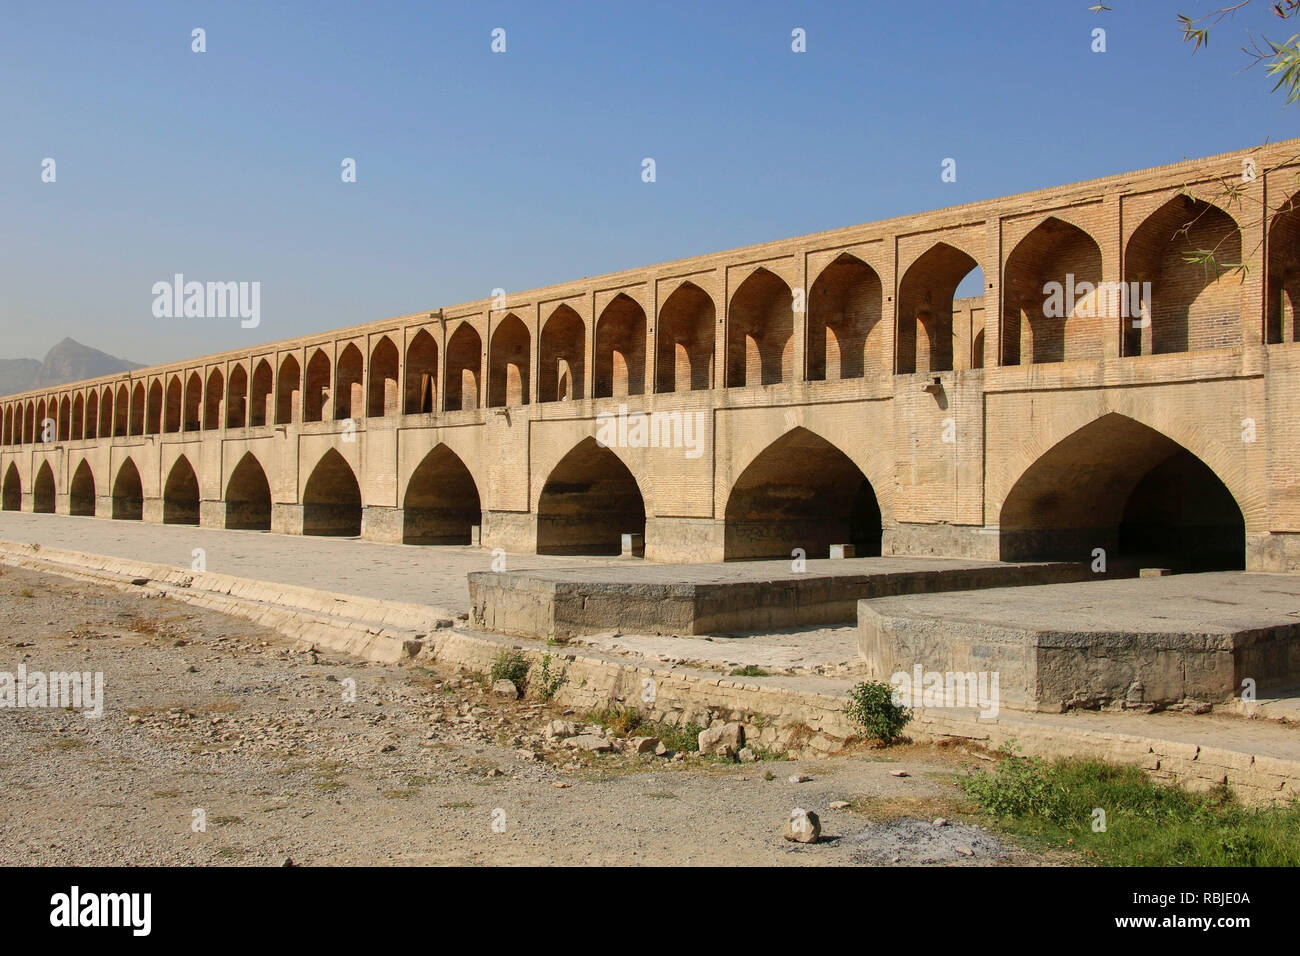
(722, 741)
(804, 826)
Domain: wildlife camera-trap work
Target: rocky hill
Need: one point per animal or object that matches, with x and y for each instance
(69, 361)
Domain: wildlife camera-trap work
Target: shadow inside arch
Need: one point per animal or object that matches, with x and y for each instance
(1121, 486)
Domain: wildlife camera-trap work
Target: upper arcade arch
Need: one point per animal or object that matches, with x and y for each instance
(845, 336)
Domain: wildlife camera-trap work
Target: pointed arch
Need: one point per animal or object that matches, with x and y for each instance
(287, 392)
(383, 399)
(9, 425)
(43, 490)
(589, 501)
(464, 364)
(193, 416)
(685, 343)
(317, 393)
(562, 350)
(121, 411)
(260, 411)
(442, 504)
(1283, 293)
(214, 400)
(248, 496)
(422, 374)
(181, 494)
(801, 492)
(1190, 307)
(1068, 323)
(925, 294)
(65, 419)
(1122, 486)
(78, 429)
(174, 406)
(12, 496)
(845, 336)
(760, 332)
(92, 415)
(137, 409)
(331, 500)
(237, 397)
(349, 398)
(508, 358)
(154, 410)
(81, 493)
(128, 493)
(619, 357)
(29, 426)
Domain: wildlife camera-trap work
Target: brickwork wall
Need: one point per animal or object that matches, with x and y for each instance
(841, 333)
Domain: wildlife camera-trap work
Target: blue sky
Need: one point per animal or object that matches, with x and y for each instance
(478, 170)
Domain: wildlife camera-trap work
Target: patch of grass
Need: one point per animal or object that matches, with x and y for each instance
(661, 795)
(224, 821)
(221, 707)
(144, 625)
(458, 805)
(685, 738)
(167, 793)
(67, 743)
(1146, 823)
(626, 721)
(617, 719)
(400, 794)
(750, 670)
(326, 779)
(27, 593)
(510, 665)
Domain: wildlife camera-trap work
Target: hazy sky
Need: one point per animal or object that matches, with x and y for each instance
(478, 170)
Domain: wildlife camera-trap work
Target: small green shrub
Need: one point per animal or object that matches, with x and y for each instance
(871, 704)
(750, 670)
(512, 666)
(549, 676)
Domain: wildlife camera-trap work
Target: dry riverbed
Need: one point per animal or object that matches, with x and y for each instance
(220, 743)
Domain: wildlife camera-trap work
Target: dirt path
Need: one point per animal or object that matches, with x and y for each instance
(206, 713)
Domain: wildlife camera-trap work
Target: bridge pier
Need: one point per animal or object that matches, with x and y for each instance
(212, 514)
(940, 540)
(379, 523)
(286, 518)
(509, 530)
(684, 540)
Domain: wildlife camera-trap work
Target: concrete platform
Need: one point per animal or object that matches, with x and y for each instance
(736, 597)
(1136, 643)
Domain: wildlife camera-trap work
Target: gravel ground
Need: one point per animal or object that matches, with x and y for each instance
(211, 719)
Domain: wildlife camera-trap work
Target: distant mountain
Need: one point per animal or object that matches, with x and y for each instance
(18, 375)
(69, 361)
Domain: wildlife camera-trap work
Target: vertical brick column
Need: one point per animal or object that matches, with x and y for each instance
(1109, 236)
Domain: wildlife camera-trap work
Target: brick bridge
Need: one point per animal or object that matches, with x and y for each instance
(872, 408)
